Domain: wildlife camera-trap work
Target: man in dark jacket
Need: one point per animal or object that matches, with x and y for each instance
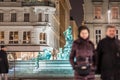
(3, 63)
(107, 51)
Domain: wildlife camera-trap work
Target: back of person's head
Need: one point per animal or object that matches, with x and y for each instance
(3, 47)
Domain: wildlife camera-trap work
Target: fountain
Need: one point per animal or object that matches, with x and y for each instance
(45, 65)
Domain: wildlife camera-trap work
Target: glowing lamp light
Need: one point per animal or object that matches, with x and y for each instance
(109, 11)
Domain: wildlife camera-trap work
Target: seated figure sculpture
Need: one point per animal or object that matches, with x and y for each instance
(67, 47)
(46, 55)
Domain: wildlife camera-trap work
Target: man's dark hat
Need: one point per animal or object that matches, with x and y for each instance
(2, 46)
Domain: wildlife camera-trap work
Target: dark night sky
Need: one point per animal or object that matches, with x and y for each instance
(77, 11)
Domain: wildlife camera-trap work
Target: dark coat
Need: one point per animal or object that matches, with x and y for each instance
(106, 58)
(3, 62)
(82, 49)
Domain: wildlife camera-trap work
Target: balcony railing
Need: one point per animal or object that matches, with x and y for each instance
(23, 23)
(39, 3)
(114, 0)
(10, 4)
(102, 0)
(97, 0)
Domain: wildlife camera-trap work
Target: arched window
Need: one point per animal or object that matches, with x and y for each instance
(1, 17)
(42, 38)
(115, 12)
(26, 17)
(26, 37)
(13, 17)
(13, 37)
(40, 17)
(98, 12)
(97, 35)
(117, 33)
(46, 17)
(2, 37)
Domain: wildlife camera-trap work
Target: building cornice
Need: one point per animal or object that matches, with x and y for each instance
(102, 23)
(68, 3)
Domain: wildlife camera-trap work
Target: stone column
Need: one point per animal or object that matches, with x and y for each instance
(6, 39)
(34, 36)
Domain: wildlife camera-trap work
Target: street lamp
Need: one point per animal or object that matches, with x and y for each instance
(108, 12)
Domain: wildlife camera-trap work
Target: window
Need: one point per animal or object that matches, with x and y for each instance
(13, 17)
(97, 35)
(26, 17)
(40, 17)
(97, 12)
(1, 37)
(115, 12)
(13, 37)
(1, 17)
(46, 17)
(117, 36)
(1, 0)
(42, 38)
(114, 0)
(97, 0)
(13, 0)
(26, 37)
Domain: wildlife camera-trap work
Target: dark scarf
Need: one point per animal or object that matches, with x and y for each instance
(83, 40)
(110, 39)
